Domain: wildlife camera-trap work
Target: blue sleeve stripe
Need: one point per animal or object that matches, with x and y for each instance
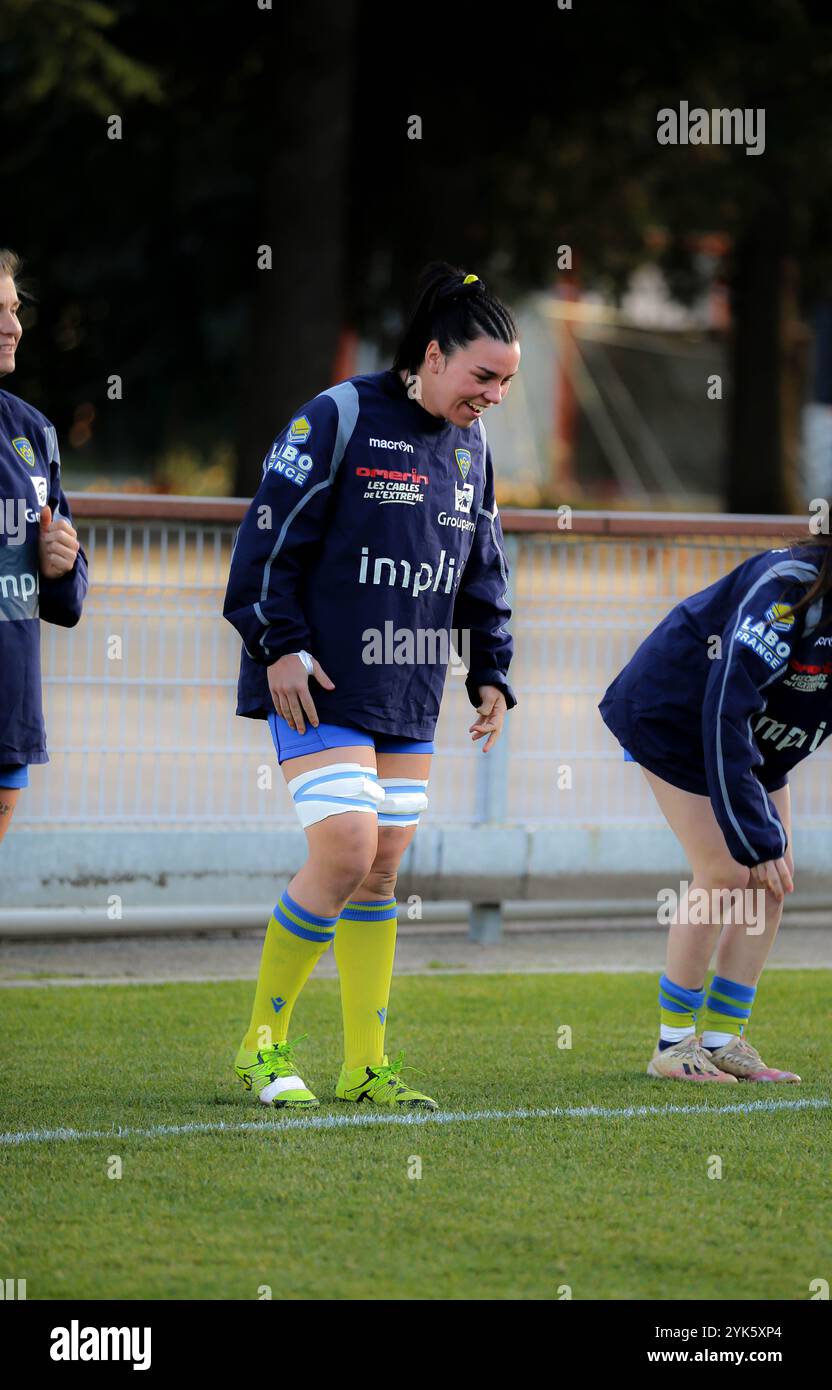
(786, 569)
(345, 397)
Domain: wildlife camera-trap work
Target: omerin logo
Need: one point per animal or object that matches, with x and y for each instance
(392, 485)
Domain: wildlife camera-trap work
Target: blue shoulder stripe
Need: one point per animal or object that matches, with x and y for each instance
(346, 401)
(784, 569)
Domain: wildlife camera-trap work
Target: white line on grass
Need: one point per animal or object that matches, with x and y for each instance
(174, 978)
(414, 1117)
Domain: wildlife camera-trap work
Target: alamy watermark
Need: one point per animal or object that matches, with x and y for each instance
(420, 646)
(705, 907)
(694, 125)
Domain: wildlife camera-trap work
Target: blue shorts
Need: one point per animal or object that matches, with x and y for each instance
(14, 775)
(290, 744)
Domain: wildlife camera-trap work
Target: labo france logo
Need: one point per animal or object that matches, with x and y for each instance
(763, 640)
(385, 570)
(288, 462)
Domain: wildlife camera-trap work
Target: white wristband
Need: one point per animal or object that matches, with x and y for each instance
(307, 660)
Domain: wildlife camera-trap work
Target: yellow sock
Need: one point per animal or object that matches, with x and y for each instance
(365, 944)
(295, 941)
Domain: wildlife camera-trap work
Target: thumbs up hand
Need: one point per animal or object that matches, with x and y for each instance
(57, 545)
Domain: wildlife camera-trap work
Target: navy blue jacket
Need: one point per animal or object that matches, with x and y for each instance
(373, 516)
(729, 719)
(30, 477)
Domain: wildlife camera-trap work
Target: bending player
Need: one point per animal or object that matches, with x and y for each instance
(42, 567)
(375, 523)
(716, 727)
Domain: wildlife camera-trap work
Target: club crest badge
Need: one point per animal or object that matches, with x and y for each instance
(25, 450)
(463, 459)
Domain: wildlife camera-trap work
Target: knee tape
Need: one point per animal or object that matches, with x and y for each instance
(329, 791)
(404, 800)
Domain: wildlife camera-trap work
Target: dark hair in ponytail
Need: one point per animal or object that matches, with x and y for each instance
(823, 584)
(453, 312)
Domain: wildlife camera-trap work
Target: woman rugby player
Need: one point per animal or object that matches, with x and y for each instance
(716, 726)
(374, 527)
(43, 570)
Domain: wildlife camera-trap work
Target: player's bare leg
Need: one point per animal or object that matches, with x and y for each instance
(342, 848)
(380, 880)
(692, 820)
(679, 1055)
(743, 949)
(8, 800)
(742, 952)
(365, 943)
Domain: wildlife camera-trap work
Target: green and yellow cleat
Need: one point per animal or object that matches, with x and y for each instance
(271, 1074)
(381, 1086)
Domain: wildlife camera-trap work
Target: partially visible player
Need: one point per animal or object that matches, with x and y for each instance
(374, 536)
(726, 695)
(43, 570)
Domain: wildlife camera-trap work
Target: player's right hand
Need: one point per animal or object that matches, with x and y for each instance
(289, 686)
(776, 876)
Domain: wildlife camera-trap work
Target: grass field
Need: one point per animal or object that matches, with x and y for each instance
(614, 1206)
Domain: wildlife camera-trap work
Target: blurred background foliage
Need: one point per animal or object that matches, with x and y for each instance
(245, 126)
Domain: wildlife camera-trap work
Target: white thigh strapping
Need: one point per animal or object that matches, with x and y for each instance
(404, 800)
(329, 791)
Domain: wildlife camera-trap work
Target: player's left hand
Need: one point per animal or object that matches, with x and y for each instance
(57, 545)
(491, 712)
(776, 876)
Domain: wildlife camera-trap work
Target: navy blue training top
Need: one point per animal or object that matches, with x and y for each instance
(374, 532)
(729, 719)
(30, 477)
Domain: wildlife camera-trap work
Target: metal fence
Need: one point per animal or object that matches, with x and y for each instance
(140, 697)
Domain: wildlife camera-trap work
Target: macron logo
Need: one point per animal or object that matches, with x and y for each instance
(76, 1343)
(391, 444)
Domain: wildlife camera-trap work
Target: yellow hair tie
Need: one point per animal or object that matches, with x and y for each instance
(469, 279)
